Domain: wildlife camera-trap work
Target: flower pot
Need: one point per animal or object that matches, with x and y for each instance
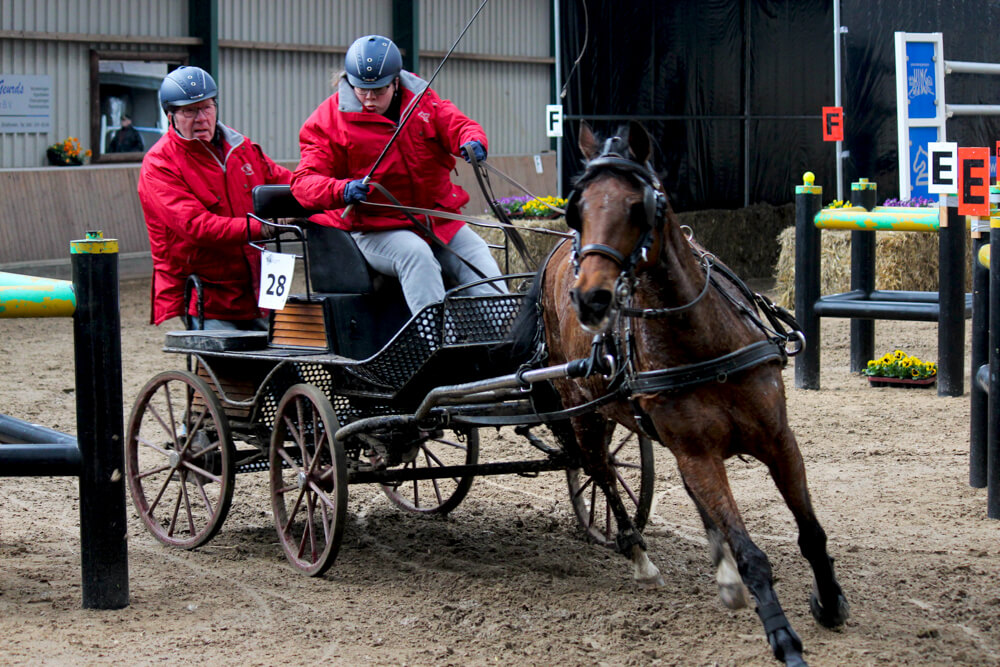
(877, 381)
(56, 159)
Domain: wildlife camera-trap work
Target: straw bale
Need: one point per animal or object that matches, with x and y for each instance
(903, 261)
(539, 244)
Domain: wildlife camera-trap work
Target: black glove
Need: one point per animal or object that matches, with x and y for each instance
(356, 191)
(477, 148)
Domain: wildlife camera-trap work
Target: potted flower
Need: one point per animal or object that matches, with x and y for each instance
(512, 206)
(66, 153)
(542, 207)
(898, 368)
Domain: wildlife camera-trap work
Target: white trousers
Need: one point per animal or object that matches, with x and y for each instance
(419, 265)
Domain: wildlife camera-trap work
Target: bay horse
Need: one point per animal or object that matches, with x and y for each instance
(688, 361)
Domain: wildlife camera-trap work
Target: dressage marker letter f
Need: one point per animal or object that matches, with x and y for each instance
(833, 123)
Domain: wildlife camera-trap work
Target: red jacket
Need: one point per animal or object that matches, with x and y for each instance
(340, 142)
(195, 202)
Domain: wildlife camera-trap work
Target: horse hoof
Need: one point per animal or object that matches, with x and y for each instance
(734, 596)
(787, 647)
(651, 582)
(829, 618)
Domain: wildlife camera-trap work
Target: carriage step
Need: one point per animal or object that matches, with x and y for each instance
(217, 341)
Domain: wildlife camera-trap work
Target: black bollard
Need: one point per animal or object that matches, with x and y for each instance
(951, 299)
(808, 202)
(97, 345)
(993, 418)
(864, 194)
(980, 354)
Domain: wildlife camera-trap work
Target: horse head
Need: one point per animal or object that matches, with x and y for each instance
(617, 209)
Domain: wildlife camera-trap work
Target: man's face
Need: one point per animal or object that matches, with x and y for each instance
(376, 100)
(196, 121)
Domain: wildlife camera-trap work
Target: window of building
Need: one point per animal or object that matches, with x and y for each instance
(125, 115)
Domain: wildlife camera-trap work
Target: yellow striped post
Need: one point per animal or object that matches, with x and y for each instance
(28, 296)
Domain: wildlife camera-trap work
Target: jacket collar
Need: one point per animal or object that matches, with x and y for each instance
(230, 137)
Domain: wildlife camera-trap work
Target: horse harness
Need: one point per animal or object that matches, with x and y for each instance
(613, 352)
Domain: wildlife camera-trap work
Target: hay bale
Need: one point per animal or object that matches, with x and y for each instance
(742, 238)
(539, 244)
(903, 261)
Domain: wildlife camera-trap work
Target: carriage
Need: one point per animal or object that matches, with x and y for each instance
(632, 324)
(346, 388)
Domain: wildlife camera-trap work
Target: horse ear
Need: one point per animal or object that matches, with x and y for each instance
(639, 142)
(588, 143)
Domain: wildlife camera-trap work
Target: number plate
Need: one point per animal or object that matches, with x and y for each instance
(275, 279)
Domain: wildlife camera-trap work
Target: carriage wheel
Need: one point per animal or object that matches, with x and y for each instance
(439, 495)
(632, 459)
(179, 459)
(308, 479)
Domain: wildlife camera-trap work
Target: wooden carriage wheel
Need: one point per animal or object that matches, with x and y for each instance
(179, 459)
(439, 495)
(632, 459)
(308, 471)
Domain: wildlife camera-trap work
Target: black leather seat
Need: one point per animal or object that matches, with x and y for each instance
(363, 308)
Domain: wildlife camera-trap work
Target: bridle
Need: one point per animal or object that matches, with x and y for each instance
(655, 213)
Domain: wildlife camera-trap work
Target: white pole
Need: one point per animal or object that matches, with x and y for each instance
(836, 94)
(558, 81)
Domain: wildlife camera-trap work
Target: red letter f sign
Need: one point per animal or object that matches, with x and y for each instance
(833, 123)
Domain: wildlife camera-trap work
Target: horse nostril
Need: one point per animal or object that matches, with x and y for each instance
(599, 300)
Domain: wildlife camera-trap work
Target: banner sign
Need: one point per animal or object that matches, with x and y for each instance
(833, 123)
(25, 103)
(974, 181)
(943, 163)
(920, 108)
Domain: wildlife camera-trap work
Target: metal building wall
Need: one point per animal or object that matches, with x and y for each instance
(125, 24)
(501, 71)
(276, 60)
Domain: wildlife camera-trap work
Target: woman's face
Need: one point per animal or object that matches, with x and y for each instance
(376, 100)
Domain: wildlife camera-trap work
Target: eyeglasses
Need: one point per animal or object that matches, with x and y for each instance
(377, 92)
(191, 114)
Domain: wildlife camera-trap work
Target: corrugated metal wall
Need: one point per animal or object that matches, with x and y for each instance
(67, 61)
(285, 55)
(276, 59)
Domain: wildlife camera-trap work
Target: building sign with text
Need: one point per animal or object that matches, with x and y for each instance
(25, 103)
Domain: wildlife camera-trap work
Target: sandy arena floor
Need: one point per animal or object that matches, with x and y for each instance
(507, 578)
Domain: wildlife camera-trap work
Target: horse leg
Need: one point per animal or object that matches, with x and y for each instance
(827, 603)
(593, 434)
(732, 592)
(706, 477)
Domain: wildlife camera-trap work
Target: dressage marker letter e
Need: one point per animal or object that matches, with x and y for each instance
(833, 123)
(943, 159)
(973, 181)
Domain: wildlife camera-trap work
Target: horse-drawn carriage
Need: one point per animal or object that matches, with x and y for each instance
(344, 389)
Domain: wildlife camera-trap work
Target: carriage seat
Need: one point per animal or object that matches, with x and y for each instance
(354, 310)
(336, 265)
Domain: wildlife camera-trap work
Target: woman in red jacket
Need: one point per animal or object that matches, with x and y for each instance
(344, 137)
(195, 188)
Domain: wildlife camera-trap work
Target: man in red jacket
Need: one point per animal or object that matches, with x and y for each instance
(195, 188)
(344, 137)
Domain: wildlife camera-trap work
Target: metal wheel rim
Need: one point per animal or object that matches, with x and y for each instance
(439, 495)
(182, 488)
(308, 492)
(635, 473)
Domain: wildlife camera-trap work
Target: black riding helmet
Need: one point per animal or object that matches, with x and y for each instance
(372, 62)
